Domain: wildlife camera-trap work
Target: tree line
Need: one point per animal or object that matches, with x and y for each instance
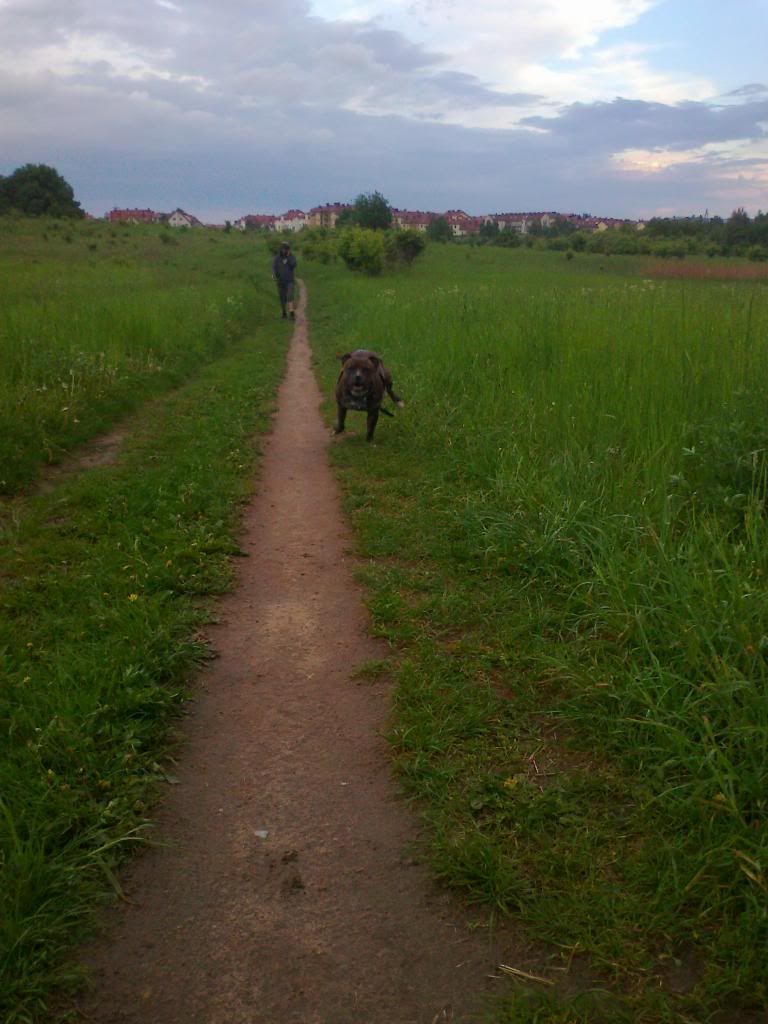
(37, 190)
(737, 235)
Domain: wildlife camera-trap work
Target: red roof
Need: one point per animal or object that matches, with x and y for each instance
(144, 216)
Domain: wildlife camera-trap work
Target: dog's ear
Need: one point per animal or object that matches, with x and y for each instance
(345, 357)
(375, 360)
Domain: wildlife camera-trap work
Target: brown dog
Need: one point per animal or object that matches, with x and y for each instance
(361, 385)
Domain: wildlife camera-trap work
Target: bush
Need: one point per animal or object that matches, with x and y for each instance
(363, 249)
(404, 246)
(560, 244)
(675, 248)
(318, 244)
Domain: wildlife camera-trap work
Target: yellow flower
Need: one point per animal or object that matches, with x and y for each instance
(133, 597)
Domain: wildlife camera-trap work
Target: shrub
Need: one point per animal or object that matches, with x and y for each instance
(363, 249)
(671, 249)
(406, 245)
(560, 244)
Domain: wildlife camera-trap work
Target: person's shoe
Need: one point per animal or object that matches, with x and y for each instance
(292, 315)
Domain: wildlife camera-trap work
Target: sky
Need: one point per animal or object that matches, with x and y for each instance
(617, 108)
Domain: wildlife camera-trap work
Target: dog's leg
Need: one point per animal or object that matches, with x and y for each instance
(373, 419)
(386, 376)
(341, 416)
(395, 398)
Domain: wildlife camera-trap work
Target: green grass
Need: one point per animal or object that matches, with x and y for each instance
(105, 584)
(566, 543)
(95, 318)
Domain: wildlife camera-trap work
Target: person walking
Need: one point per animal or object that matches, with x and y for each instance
(283, 267)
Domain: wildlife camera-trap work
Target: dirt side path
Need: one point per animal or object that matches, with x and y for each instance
(286, 892)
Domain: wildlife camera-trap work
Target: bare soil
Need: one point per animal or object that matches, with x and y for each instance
(101, 451)
(285, 888)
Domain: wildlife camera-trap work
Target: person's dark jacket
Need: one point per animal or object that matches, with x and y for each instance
(283, 268)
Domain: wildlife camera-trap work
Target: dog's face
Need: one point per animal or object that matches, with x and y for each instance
(360, 375)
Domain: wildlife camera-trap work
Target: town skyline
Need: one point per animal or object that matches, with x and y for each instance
(326, 215)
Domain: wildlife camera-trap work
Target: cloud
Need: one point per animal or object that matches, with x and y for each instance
(625, 124)
(755, 89)
(244, 105)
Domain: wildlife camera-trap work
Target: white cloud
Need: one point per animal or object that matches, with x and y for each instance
(742, 160)
(549, 48)
(625, 71)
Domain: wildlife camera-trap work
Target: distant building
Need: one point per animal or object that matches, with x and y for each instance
(413, 219)
(134, 216)
(292, 220)
(256, 222)
(509, 221)
(181, 219)
(461, 224)
(326, 216)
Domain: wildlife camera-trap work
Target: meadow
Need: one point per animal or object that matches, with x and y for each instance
(95, 318)
(563, 539)
(565, 543)
(108, 577)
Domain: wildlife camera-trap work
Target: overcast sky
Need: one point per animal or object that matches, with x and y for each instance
(613, 107)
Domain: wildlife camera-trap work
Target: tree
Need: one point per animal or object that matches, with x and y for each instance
(489, 229)
(371, 210)
(561, 226)
(346, 219)
(406, 245)
(439, 230)
(38, 190)
(737, 228)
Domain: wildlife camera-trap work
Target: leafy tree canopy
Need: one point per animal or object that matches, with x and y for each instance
(372, 210)
(439, 230)
(38, 190)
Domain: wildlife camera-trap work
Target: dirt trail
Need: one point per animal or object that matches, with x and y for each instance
(286, 892)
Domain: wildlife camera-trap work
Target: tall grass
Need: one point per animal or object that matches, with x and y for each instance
(93, 318)
(585, 459)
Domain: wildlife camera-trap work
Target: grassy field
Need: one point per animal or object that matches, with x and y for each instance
(566, 545)
(106, 580)
(95, 318)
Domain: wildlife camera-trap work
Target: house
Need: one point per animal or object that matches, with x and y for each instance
(326, 216)
(510, 221)
(134, 216)
(256, 222)
(180, 219)
(413, 219)
(292, 220)
(461, 224)
(523, 223)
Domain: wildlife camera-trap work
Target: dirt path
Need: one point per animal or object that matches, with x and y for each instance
(286, 892)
